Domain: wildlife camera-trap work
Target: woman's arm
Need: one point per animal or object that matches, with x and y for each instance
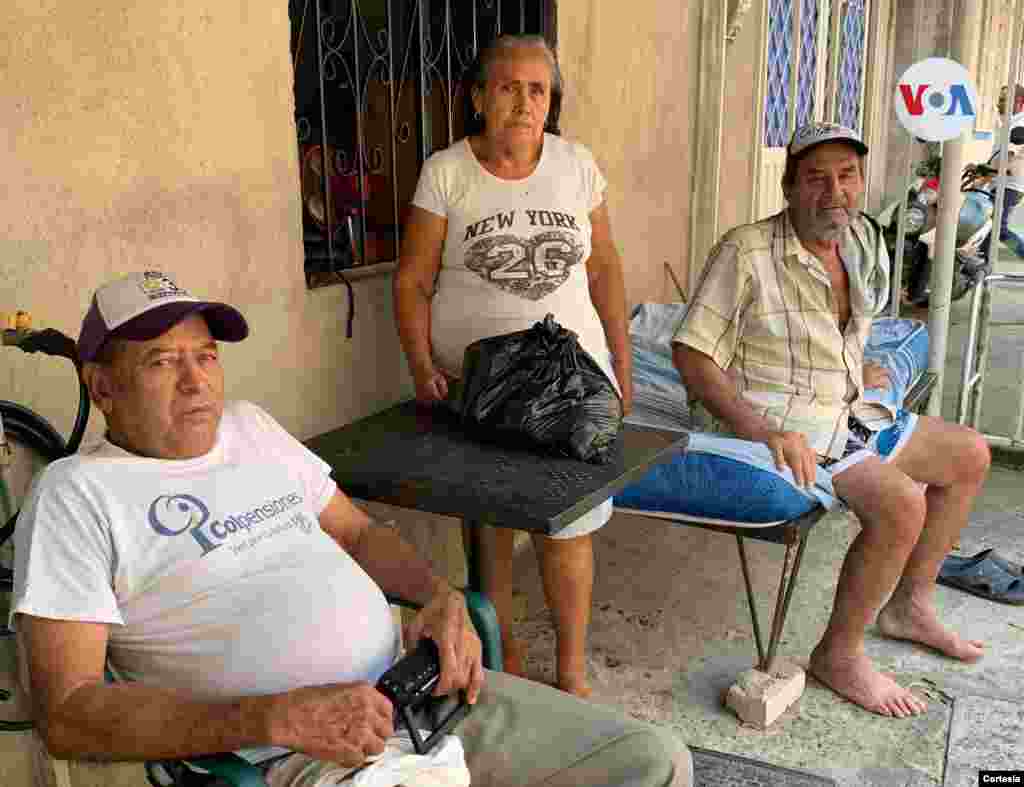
(608, 293)
(418, 265)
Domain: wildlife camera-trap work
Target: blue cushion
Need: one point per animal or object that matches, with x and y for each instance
(724, 478)
(717, 487)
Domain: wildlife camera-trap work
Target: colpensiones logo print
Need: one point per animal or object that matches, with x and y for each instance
(170, 515)
(532, 267)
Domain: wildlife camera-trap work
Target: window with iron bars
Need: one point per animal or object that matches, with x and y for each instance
(378, 88)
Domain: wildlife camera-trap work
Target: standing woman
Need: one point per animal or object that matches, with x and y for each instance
(511, 223)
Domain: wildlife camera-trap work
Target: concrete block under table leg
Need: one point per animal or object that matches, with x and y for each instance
(759, 698)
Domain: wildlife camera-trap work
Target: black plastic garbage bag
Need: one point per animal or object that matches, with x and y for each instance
(541, 384)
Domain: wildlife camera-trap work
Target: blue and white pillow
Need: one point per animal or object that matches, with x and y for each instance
(725, 479)
(901, 346)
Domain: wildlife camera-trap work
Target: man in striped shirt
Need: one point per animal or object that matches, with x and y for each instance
(773, 348)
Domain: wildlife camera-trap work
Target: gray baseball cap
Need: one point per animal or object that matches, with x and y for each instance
(812, 134)
(146, 304)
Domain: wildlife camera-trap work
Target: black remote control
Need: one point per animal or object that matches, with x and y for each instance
(408, 685)
(413, 676)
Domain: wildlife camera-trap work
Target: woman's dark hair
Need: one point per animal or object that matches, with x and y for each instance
(476, 77)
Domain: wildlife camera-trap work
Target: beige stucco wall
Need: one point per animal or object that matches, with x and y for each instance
(630, 71)
(741, 111)
(139, 136)
(161, 136)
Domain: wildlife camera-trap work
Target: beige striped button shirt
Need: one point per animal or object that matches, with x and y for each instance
(764, 312)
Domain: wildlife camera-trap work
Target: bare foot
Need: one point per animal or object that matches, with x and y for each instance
(902, 619)
(856, 679)
(513, 656)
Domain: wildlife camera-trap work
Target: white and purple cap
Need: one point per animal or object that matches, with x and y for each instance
(813, 134)
(144, 305)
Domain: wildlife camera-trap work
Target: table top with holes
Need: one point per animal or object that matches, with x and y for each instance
(420, 458)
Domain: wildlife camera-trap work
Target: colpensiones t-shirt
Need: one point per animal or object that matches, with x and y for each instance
(213, 572)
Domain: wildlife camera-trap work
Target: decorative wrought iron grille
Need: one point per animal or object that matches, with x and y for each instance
(378, 88)
(776, 100)
(808, 67)
(848, 90)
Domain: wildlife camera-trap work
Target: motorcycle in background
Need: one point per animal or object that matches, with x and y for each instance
(974, 226)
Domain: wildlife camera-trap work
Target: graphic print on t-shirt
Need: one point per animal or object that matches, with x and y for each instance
(530, 266)
(173, 515)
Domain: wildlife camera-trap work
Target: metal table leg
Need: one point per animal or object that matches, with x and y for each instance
(785, 594)
(750, 598)
(795, 538)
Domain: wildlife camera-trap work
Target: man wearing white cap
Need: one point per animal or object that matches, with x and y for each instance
(773, 347)
(1014, 176)
(237, 595)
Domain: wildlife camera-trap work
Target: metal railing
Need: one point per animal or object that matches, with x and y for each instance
(378, 88)
(976, 353)
(975, 361)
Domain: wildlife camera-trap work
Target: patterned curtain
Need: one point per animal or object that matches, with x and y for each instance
(776, 100)
(808, 66)
(851, 76)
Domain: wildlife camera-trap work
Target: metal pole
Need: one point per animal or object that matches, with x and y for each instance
(965, 34)
(426, 134)
(981, 348)
(968, 379)
(1018, 432)
(1004, 137)
(324, 174)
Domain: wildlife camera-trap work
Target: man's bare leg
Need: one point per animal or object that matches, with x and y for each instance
(891, 510)
(953, 461)
(567, 571)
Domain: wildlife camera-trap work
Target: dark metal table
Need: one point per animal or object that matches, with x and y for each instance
(422, 459)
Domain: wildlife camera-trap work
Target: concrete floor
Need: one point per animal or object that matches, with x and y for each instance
(671, 630)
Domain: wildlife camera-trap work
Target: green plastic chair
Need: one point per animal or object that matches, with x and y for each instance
(232, 771)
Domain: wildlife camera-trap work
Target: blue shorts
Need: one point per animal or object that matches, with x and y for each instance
(864, 442)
